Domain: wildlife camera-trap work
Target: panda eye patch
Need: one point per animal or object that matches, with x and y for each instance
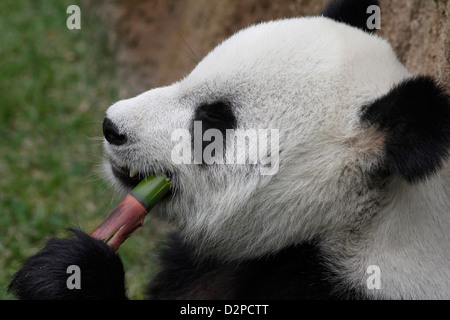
(218, 115)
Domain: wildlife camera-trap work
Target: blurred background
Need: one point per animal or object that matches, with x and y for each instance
(56, 84)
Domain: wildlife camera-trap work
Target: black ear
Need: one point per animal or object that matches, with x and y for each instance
(415, 118)
(351, 12)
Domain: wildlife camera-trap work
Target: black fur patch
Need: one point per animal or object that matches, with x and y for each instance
(218, 115)
(415, 117)
(351, 12)
(182, 277)
(297, 272)
(44, 276)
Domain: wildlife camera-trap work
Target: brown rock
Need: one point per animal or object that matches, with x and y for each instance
(419, 32)
(160, 41)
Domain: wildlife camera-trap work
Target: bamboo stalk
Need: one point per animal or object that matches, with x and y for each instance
(130, 213)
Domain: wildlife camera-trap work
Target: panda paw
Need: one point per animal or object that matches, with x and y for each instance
(66, 269)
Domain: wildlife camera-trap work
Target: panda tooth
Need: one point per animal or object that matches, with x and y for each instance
(132, 173)
(120, 164)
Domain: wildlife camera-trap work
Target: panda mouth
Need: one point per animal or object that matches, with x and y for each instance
(128, 176)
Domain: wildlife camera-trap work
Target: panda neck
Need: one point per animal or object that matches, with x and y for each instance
(409, 240)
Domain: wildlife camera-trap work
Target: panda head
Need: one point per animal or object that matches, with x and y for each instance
(334, 113)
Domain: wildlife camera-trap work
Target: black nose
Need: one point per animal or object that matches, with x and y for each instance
(111, 133)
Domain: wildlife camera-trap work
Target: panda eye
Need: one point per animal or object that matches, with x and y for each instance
(218, 115)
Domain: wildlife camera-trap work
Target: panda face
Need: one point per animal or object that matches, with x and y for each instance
(307, 78)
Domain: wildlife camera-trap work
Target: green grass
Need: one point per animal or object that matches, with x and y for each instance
(55, 85)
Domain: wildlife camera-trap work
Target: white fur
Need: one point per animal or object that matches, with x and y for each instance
(408, 239)
(309, 78)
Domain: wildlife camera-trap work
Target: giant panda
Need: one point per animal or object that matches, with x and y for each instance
(358, 203)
